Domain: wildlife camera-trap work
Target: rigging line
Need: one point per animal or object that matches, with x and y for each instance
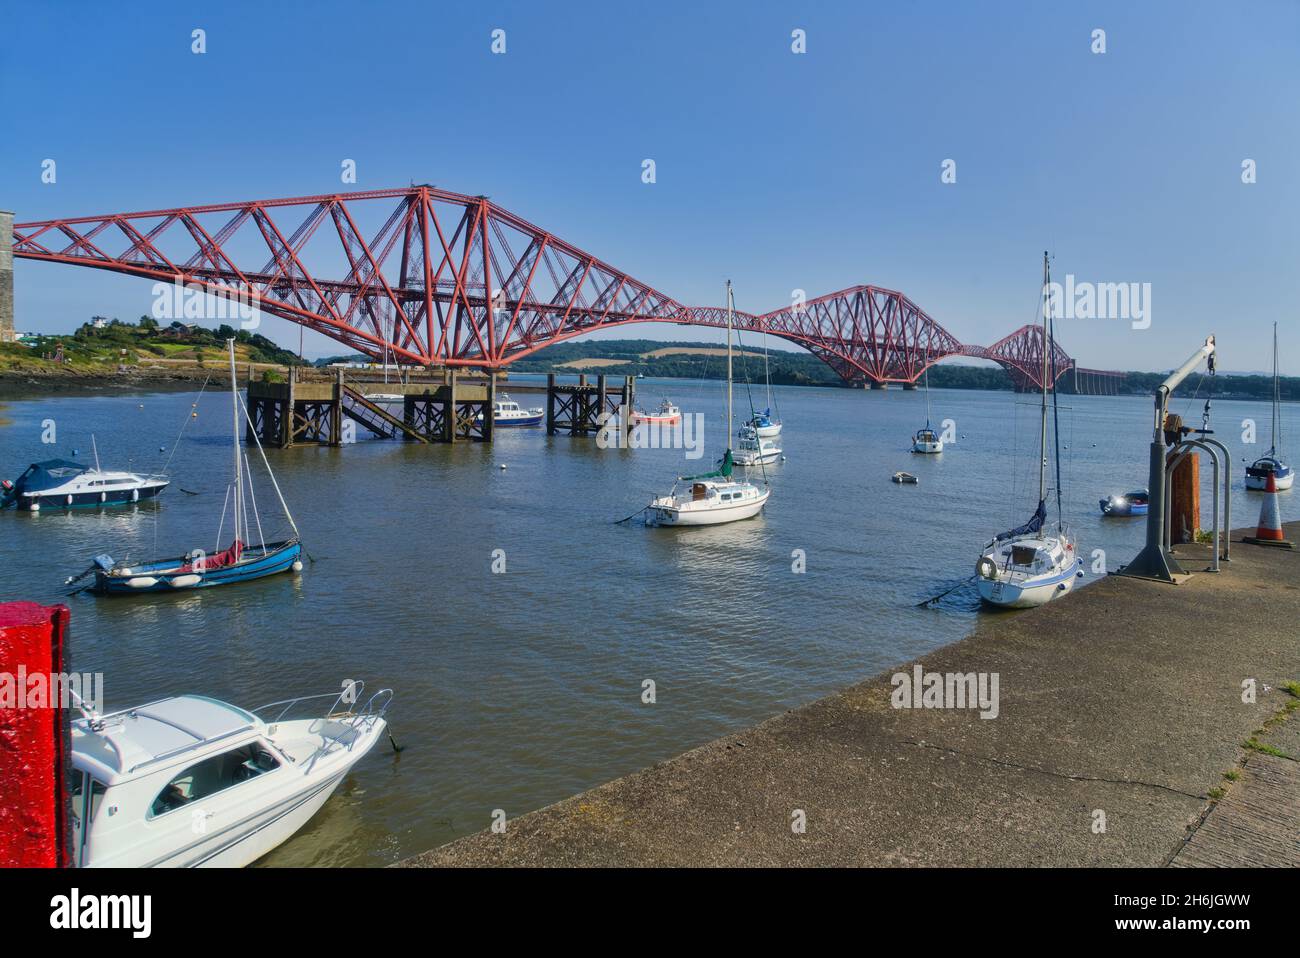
(257, 517)
(275, 485)
(221, 526)
(1050, 346)
(184, 424)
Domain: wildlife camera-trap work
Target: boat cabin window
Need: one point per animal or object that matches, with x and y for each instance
(1023, 555)
(213, 775)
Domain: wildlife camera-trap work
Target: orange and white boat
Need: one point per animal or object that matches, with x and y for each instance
(668, 415)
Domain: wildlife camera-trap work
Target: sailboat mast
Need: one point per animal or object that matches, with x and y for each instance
(1277, 396)
(234, 408)
(1042, 442)
(730, 305)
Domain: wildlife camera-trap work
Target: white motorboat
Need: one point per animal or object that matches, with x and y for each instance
(1257, 472)
(1027, 566)
(668, 415)
(191, 781)
(385, 399)
(755, 450)
(63, 484)
(715, 497)
(507, 412)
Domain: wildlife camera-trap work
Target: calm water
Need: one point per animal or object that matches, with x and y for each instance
(519, 689)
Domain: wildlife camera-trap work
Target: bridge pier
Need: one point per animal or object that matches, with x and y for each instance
(909, 387)
(875, 384)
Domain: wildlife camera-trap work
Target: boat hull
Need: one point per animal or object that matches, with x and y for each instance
(928, 448)
(1109, 508)
(715, 516)
(504, 423)
(167, 576)
(45, 502)
(767, 432)
(1260, 483)
(1028, 593)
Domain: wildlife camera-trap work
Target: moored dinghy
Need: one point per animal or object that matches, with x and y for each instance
(1130, 504)
(241, 561)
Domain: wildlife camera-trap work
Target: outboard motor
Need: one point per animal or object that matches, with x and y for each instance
(7, 492)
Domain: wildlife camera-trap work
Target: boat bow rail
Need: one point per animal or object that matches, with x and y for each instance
(375, 707)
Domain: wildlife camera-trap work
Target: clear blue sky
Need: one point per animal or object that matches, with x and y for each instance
(780, 171)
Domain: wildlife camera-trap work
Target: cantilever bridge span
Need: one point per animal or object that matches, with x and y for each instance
(433, 278)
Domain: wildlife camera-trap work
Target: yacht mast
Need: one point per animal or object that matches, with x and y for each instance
(730, 305)
(1042, 444)
(1277, 397)
(234, 406)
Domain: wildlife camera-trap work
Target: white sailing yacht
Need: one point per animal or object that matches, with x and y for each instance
(1027, 566)
(764, 425)
(926, 440)
(1271, 462)
(714, 497)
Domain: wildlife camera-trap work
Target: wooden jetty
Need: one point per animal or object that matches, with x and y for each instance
(447, 406)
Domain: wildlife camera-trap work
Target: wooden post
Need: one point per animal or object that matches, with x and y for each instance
(286, 413)
(449, 408)
(336, 412)
(601, 392)
(488, 418)
(550, 404)
(629, 394)
(1185, 500)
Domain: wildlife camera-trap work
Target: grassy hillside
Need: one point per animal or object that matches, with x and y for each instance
(94, 350)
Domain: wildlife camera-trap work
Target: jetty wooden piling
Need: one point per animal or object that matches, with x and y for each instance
(577, 409)
(301, 411)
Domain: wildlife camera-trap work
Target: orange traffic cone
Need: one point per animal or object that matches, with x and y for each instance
(1269, 531)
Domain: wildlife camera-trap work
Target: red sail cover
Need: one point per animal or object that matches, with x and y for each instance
(34, 742)
(217, 561)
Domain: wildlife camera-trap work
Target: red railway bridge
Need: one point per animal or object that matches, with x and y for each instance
(432, 278)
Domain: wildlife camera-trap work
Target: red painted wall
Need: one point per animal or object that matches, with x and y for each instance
(34, 743)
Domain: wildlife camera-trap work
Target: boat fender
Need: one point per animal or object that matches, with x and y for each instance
(141, 582)
(135, 495)
(103, 497)
(297, 566)
(69, 498)
(184, 581)
(986, 568)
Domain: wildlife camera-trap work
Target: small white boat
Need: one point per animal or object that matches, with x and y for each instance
(764, 426)
(384, 399)
(668, 415)
(713, 498)
(1257, 472)
(191, 781)
(62, 484)
(1026, 566)
(927, 441)
(755, 450)
(709, 501)
(507, 412)
(905, 478)
(1022, 571)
